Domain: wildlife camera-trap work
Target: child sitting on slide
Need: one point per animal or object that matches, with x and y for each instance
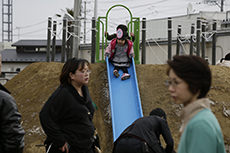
(120, 51)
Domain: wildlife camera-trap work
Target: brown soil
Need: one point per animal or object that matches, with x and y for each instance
(32, 87)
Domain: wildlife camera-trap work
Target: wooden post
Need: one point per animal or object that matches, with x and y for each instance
(63, 48)
(169, 38)
(203, 43)
(214, 44)
(93, 40)
(143, 60)
(68, 49)
(70, 42)
(54, 41)
(198, 37)
(178, 40)
(48, 39)
(191, 39)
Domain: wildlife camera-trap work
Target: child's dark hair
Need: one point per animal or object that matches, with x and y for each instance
(122, 26)
(71, 65)
(194, 71)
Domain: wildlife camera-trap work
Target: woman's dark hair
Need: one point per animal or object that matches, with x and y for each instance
(71, 65)
(227, 58)
(194, 71)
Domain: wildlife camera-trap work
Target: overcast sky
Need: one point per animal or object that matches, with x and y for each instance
(30, 17)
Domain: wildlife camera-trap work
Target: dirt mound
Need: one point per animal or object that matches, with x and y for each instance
(32, 87)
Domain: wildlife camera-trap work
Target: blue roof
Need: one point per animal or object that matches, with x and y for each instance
(10, 55)
(38, 43)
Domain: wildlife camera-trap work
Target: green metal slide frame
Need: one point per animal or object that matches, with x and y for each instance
(102, 27)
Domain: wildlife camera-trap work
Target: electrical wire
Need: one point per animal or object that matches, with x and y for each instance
(32, 25)
(153, 52)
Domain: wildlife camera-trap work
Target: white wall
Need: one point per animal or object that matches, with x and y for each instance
(158, 28)
(5, 45)
(11, 67)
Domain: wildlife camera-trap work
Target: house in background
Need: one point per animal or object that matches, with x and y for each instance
(24, 53)
(30, 51)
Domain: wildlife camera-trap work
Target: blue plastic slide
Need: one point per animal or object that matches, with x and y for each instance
(124, 99)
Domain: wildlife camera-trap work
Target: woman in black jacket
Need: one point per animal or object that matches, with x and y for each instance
(67, 116)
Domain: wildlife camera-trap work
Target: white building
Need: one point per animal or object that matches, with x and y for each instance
(157, 36)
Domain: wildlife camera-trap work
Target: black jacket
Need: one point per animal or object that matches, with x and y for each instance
(67, 117)
(11, 131)
(149, 129)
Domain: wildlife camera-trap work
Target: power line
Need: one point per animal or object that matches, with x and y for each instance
(32, 25)
(39, 30)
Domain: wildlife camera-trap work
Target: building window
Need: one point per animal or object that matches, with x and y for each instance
(18, 69)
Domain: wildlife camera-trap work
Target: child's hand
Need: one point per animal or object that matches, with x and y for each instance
(131, 55)
(106, 33)
(107, 55)
(131, 34)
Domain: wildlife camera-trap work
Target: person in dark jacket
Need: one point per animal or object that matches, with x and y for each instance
(11, 131)
(143, 135)
(225, 61)
(66, 117)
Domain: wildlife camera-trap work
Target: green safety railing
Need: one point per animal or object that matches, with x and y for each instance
(133, 26)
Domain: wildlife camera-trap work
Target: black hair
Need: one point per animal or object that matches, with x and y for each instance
(158, 112)
(194, 71)
(71, 65)
(123, 27)
(227, 58)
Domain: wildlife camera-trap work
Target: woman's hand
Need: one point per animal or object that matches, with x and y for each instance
(65, 148)
(97, 150)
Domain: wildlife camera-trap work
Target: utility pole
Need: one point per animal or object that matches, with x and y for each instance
(95, 9)
(84, 22)
(77, 27)
(222, 6)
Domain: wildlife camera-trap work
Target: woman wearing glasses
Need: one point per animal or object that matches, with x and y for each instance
(66, 117)
(189, 83)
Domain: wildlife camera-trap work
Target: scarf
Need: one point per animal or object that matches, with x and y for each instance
(189, 111)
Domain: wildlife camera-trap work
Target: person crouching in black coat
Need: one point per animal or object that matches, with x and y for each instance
(143, 135)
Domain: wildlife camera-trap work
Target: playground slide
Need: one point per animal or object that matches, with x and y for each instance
(124, 99)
